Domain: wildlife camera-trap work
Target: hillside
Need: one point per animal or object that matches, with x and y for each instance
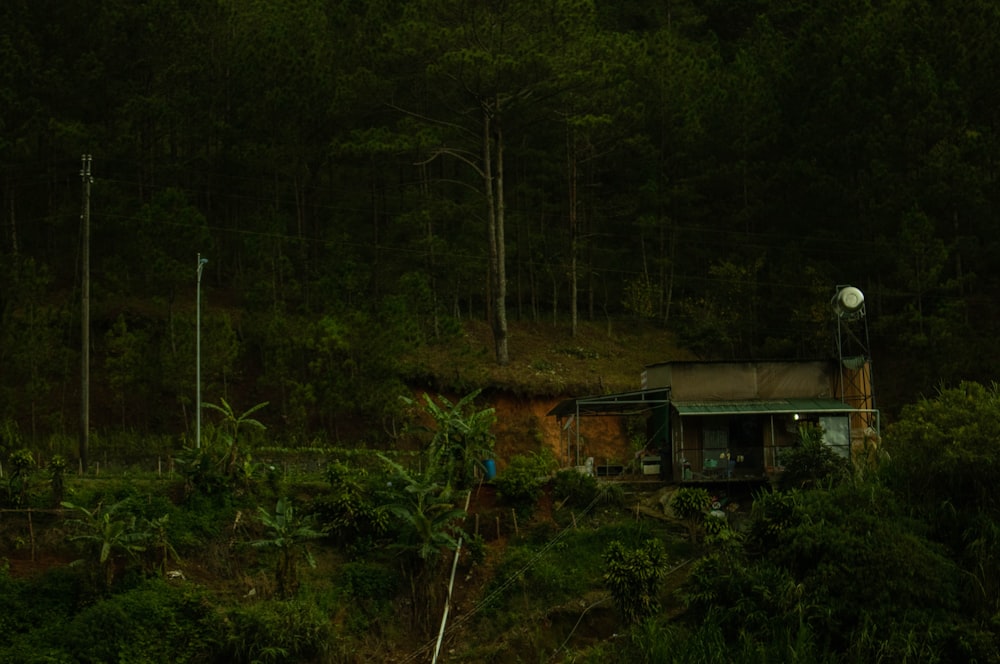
(545, 359)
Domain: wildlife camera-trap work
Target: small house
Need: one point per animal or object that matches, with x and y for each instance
(731, 420)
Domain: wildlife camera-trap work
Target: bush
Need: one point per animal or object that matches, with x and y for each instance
(690, 504)
(19, 482)
(369, 588)
(520, 484)
(153, 623)
(291, 631)
(633, 576)
(352, 512)
(574, 488)
(812, 462)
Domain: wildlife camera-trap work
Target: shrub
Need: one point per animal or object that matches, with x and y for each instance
(57, 477)
(812, 462)
(369, 589)
(289, 631)
(574, 488)
(22, 465)
(153, 623)
(520, 484)
(352, 512)
(690, 504)
(633, 576)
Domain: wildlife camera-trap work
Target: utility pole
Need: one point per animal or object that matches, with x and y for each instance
(85, 316)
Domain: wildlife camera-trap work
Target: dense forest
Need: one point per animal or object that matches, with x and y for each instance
(312, 198)
(364, 177)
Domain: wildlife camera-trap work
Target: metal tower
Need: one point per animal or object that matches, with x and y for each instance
(854, 357)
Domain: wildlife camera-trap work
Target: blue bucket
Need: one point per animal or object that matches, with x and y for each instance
(491, 469)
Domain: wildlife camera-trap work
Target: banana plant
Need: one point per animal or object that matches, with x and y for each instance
(108, 535)
(161, 549)
(287, 531)
(461, 438)
(232, 424)
(428, 524)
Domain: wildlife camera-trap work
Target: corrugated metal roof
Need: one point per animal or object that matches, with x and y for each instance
(776, 406)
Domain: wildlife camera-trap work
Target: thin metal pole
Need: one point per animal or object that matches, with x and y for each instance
(197, 404)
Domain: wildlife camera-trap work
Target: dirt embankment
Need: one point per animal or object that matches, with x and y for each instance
(524, 425)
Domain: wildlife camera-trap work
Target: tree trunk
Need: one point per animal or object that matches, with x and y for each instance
(573, 286)
(495, 224)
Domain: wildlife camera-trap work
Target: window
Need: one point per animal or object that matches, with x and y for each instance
(715, 434)
(837, 434)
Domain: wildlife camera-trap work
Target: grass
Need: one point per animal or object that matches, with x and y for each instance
(550, 575)
(545, 359)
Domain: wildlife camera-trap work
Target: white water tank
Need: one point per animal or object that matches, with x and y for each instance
(848, 300)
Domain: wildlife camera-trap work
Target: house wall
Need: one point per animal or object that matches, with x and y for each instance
(743, 381)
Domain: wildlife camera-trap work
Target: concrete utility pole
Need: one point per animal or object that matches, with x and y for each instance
(85, 316)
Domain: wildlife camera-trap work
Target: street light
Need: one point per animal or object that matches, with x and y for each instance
(197, 405)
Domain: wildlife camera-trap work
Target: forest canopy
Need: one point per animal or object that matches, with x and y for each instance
(364, 177)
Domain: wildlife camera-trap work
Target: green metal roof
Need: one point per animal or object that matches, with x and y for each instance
(774, 406)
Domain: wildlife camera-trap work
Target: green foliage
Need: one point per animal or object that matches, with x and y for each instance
(690, 504)
(574, 488)
(946, 449)
(427, 524)
(126, 366)
(161, 547)
(153, 623)
(368, 581)
(812, 462)
(633, 576)
(717, 530)
(57, 477)
(428, 521)
(461, 439)
(771, 514)
(199, 519)
(353, 511)
(33, 606)
(531, 577)
(520, 483)
(109, 536)
(843, 568)
(753, 596)
(224, 462)
(276, 632)
(19, 480)
(611, 494)
(369, 589)
(10, 436)
(475, 548)
(287, 532)
(235, 457)
(550, 569)
(201, 468)
(945, 456)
